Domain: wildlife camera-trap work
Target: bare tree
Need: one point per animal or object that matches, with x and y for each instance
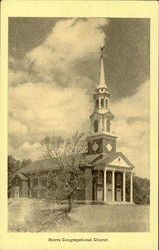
(68, 155)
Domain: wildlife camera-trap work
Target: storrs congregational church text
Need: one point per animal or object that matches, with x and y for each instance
(77, 239)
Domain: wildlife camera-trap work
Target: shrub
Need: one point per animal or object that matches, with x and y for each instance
(141, 190)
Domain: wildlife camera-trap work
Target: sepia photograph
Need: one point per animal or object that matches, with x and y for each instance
(78, 124)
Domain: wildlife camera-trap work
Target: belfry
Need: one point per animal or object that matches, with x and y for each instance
(102, 139)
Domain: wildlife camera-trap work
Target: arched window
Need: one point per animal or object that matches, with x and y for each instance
(106, 103)
(102, 103)
(96, 126)
(108, 125)
(100, 177)
(97, 103)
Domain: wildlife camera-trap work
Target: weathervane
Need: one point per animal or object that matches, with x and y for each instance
(102, 48)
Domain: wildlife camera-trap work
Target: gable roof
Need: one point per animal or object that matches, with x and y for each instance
(50, 164)
(22, 177)
(90, 160)
(110, 158)
(40, 165)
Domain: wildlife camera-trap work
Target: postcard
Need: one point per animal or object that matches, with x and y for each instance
(79, 125)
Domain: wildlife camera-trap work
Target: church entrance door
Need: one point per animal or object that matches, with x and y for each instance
(118, 184)
(118, 194)
(109, 192)
(99, 194)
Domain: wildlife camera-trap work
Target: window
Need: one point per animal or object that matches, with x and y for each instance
(109, 177)
(96, 126)
(35, 182)
(100, 177)
(102, 103)
(108, 125)
(97, 103)
(118, 179)
(106, 103)
(44, 181)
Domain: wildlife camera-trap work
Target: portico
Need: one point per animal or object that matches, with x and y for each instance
(117, 192)
(113, 183)
(113, 187)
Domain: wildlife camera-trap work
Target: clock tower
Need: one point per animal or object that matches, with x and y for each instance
(102, 138)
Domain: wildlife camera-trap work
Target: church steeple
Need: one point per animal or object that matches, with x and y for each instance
(102, 83)
(101, 119)
(101, 95)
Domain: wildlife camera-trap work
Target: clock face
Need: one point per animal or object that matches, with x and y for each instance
(109, 147)
(95, 146)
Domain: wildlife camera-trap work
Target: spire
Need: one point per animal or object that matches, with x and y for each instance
(102, 83)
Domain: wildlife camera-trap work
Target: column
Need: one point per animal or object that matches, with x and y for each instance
(99, 102)
(92, 128)
(113, 183)
(131, 187)
(25, 189)
(88, 185)
(104, 125)
(105, 185)
(39, 185)
(124, 186)
(30, 193)
(100, 124)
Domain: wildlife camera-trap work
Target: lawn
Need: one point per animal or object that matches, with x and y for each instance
(41, 215)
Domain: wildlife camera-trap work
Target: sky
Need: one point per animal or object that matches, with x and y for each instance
(54, 69)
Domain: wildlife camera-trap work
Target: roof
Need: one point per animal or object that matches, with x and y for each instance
(109, 158)
(89, 160)
(40, 165)
(22, 177)
(107, 114)
(102, 83)
(50, 164)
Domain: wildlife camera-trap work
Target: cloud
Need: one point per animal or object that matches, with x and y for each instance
(70, 40)
(16, 127)
(132, 128)
(136, 106)
(27, 151)
(38, 110)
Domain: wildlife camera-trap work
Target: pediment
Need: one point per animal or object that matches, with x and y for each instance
(119, 161)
